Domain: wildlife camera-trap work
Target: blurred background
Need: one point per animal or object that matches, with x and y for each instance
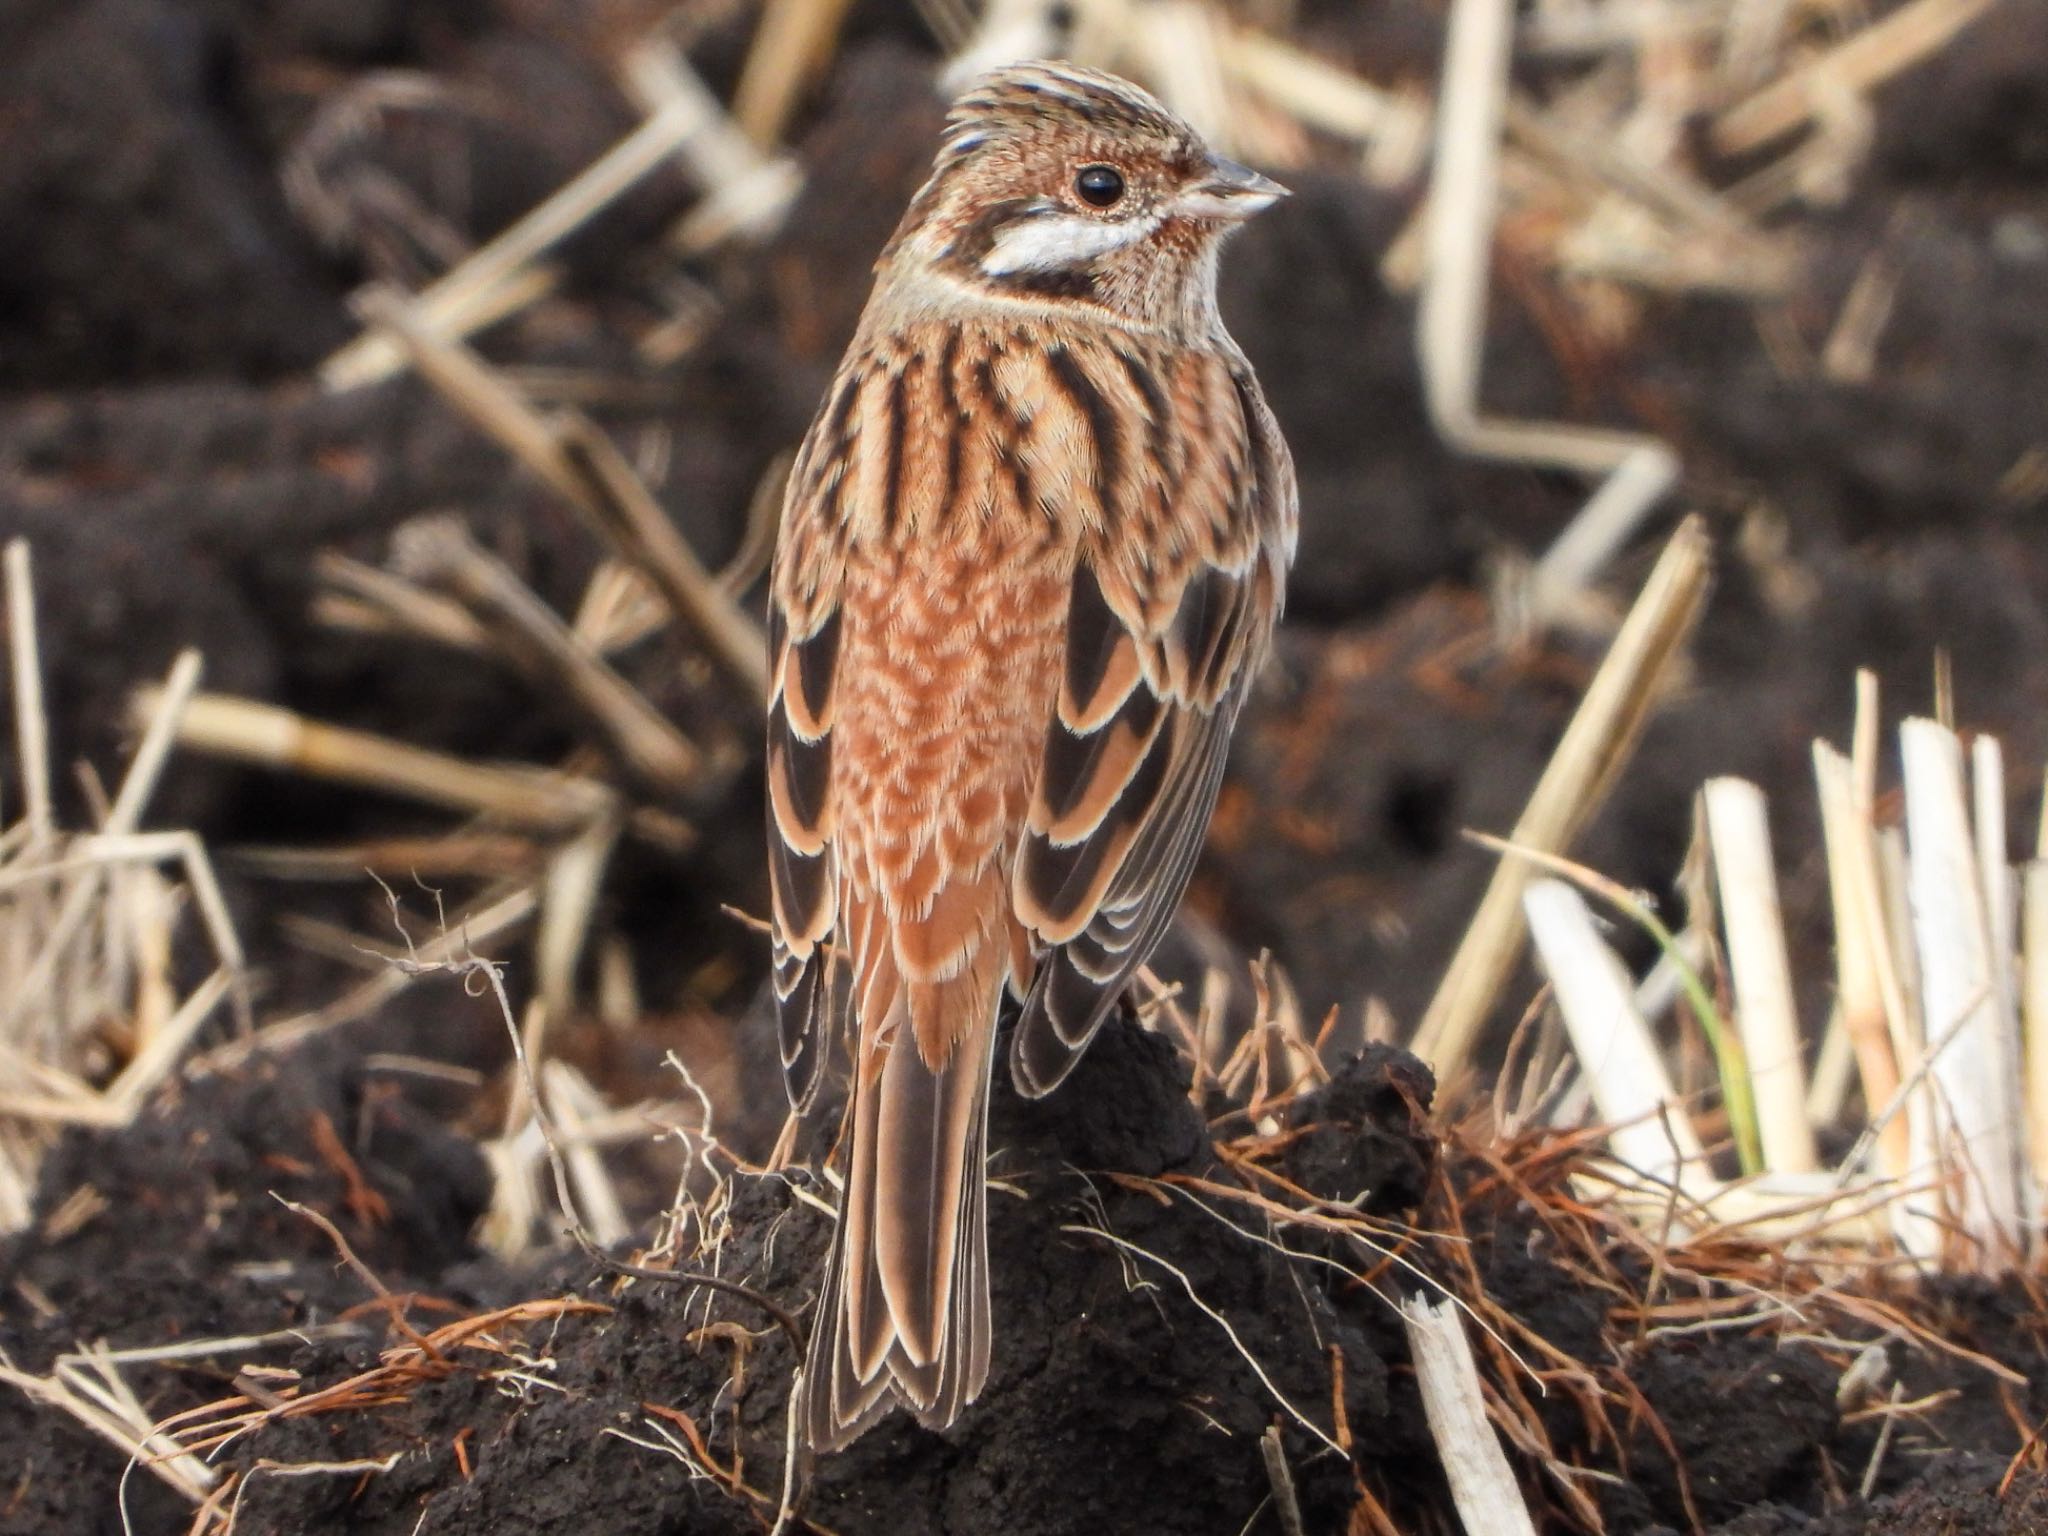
(429, 369)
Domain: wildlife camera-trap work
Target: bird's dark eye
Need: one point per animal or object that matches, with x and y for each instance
(1099, 186)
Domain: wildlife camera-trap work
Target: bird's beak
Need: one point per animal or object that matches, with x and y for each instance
(1229, 192)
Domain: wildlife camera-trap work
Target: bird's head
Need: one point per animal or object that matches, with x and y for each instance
(1056, 182)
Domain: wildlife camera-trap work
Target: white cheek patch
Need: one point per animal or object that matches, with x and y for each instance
(1054, 241)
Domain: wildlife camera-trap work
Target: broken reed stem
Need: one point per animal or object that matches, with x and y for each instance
(1584, 152)
(1598, 530)
(536, 640)
(572, 1103)
(1827, 1090)
(792, 46)
(1597, 742)
(764, 517)
(160, 726)
(1179, 46)
(1463, 195)
(1969, 1124)
(274, 737)
(1651, 1131)
(581, 465)
(1636, 471)
(438, 856)
(634, 521)
(31, 722)
(1681, 976)
(1866, 987)
(1987, 784)
(747, 191)
(1280, 1478)
(1869, 57)
(162, 1049)
(1932, 1008)
(462, 298)
(395, 601)
(87, 942)
(573, 882)
(160, 723)
(1482, 1483)
(1766, 1015)
(90, 1392)
(619, 607)
(2034, 931)
(1317, 92)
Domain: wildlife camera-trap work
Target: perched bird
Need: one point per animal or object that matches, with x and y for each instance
(1031, 557)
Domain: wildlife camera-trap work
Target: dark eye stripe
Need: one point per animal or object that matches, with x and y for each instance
(1058, 283)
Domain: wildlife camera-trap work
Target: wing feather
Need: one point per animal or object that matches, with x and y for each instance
(802, 877)
(1159, 658)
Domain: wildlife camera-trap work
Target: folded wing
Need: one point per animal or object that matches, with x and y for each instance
(802, 880)
(1159, 656)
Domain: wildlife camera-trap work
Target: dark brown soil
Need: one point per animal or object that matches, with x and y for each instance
(164, 295)
(1116, 1403)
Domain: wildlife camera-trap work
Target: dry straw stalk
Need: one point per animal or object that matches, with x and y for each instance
(1483, 1486)
(1594, 746)
(1739, 828)
(93, 1011)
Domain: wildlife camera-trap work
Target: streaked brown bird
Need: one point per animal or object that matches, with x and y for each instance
(1031, 557)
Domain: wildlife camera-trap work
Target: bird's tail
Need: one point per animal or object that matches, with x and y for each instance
(903, 1315)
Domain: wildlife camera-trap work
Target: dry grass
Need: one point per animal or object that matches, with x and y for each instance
(1941, 1172)
(95, 1013)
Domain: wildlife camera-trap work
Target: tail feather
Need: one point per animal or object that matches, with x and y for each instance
(835, 1404)
(925, 1137)
(863, 1310)
(903, 1316)
(973, 1329)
